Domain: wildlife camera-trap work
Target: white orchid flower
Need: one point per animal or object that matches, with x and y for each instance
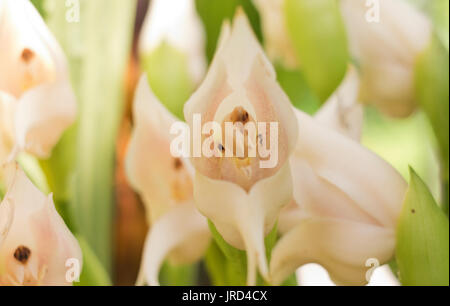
(346, 205)
(37, 247)
(386, 39)
(36, 100)
(277, 41)
(236, 192)
(177, 23)
(343, 112)
(177, 229)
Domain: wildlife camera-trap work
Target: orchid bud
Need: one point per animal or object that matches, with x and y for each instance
(165, 185)
(277, 41)
(176, 23)
(386, 40)
(243, 112)
(37, 244)
(35, 92)
(348, 204)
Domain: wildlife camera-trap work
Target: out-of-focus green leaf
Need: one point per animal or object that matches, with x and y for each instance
(215, 263)
(214, 12)
(422, 250)
(59, 168)
(431, 81)
(294, 85)
(168, 75)
(39, 5)
(98, 50)
(236, 260)
(319, 38)
(93, 272)
(183, 275)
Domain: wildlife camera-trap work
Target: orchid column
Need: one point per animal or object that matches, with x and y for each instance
(242, 193)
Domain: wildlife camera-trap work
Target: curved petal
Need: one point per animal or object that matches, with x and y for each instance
(162, 180)
(343, 112)
(42, 115)
(328, 242)
(7, 110)
(182, 232)
(244, 219)
(329, 168)
(38, 243)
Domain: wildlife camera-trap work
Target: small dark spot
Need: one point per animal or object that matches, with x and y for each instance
(413, 211)
(221, 147)
(22, 254)
(178, 164)
(260, 139)
(27, 55)
(239, 114)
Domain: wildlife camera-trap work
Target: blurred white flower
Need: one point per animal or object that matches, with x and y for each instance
(36, 100)
(178, 230)
(177, 23)
(346, 204)
(35, 243)
(277, 41)
(240, 197)
(387, 51)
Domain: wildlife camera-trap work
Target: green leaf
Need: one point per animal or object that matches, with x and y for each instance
(214, 12)
(168, 76)
(215, 262)
(422, 250)
(236, 260)
(98, 51)
(294, 85)
(431, 82)
(178, 275)
(93, 273)
(319, 38)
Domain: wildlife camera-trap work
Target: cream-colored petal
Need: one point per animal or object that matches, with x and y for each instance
(387, 50)
(343, 112)
(338, 177)
(162, 180)
(343, 247)
(32, 55)
(182, 232)
(277, 41)
(42, 115)
(37, 228)
(177, 23)
(7, 111)
(34, 71)
(243, 219)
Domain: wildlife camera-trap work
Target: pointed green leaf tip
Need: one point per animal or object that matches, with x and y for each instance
(318, 36)
(422, 238)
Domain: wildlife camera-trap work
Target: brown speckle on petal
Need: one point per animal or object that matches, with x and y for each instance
(239, 114)
(177, 164)
(27, 55)
(22, 254)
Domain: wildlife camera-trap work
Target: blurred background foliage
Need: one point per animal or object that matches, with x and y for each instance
(102, 56)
